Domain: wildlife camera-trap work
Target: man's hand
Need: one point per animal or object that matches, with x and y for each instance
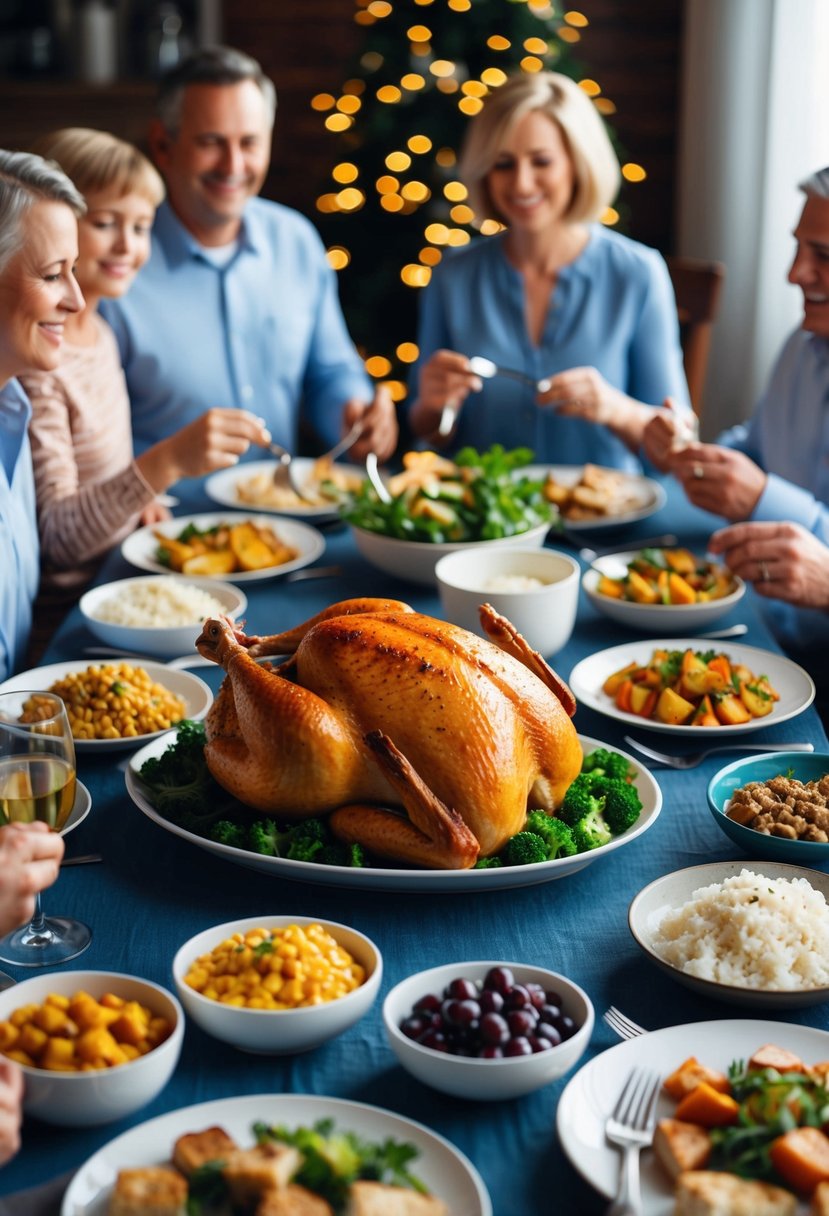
(782, 560)
(668, 432)
(379, 425)
(11, 1097)
(718, 479)
(29, 859)
(215, 440)
(583, 392)
(445, 379)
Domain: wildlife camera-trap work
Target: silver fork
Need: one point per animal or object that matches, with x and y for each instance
(282, 468)
(487, 369)
(621, 1024)
(695, 758)
(630, 1128)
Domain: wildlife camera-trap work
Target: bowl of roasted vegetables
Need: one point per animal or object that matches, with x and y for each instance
(440, 506)
(662, 590)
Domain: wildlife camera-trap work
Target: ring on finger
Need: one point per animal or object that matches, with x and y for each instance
(698, 471)
(765, 576)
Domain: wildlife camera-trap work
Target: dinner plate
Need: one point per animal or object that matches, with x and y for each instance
(591, 1095)
(443, 1168)
(140, 547)
(795, 686)
(80, 809)
(653, 618)
(671, 891)
(387, 879)
(646, 494)
(194, 692)
(222, 488)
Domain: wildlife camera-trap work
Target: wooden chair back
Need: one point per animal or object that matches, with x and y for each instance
(698, 289)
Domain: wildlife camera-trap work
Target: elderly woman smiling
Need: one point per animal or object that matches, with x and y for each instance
(39, 210)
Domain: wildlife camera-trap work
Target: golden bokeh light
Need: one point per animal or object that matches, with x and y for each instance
(419, 144)
(345, 173)
(531, 63)
(387, 184)
(354, 86)
(418, 33)
(391, 202)
(338, 122)
(416, 192)
(494, 77)
(389, 93)
(535, 46)
(438, 234)
(379, 8)
(350, 199)
(490, 227)
(398, 162)
(407, 352)
(446, 157)
(371, 61)
(327, 203)
(414, 275)
(338, 257)
(591, 87)
(497, 43)
(364, 18)
(605, 106)
(575, 18)
(459, 6)
(378, 365)
(461, 214)
(429, 256)
(633, 173)
(609, 216)
(442, 68)
(456, 192)
(396, 388)
(349, 104)
(413, 81)
(566, 34)
(474, 88)
(323, 101)
(457, 236)
(447, 84)
(470, 105)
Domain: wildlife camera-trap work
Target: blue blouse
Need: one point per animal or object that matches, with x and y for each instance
(19, 550)
(613, 308)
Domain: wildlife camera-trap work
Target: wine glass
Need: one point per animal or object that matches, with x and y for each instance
(37, 781)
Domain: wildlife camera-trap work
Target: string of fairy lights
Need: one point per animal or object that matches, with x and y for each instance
(402, 190)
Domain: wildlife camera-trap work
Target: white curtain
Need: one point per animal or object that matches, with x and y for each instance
(755, 122)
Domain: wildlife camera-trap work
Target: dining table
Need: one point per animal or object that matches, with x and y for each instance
(153, 890)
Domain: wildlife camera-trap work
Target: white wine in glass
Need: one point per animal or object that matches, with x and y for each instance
(37, 782)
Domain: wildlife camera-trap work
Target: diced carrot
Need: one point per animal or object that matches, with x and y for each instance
(708, 1107)
(801, 1158)
(680, 590)
(705, 715)
(623, 696)
(689, 1075)
(721, 664)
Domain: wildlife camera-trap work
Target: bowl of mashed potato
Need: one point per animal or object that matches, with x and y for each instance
(158, 615)
(536, 589)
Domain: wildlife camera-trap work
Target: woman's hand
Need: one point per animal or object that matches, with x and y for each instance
(29, 859)
(668, 431)
(445, 379)
(582, 392)
(11, 1098)
(782, 560)
(720, 480)
(154, 513)
(379, 420)
(216, 440)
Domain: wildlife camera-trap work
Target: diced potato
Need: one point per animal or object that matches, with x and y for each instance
(613, 587)
(220, 561)
(731, 712)
(680, 590)
(640, 589)
(642, 700)
(32, 1040)
(8, 1035)
(612, 683)
(177, 553)
(98, 1044)
(59, 1054)
(680, 560)
(672, 708)
(54, 1021)
(757, 702)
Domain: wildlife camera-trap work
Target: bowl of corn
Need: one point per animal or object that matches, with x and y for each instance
(94, 1046)
(277, 985)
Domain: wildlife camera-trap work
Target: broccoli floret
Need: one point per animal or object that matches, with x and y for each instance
(557, 836)
(337, 853)
(488, 863)
(524, 849)
(602, 762)
(591, 832)
(180, 785)
(305, 840)
(578, 801)
(622, 805)
(264, 837)
(229, 833)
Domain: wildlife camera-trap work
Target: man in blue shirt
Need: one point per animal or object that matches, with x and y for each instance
(237, 305)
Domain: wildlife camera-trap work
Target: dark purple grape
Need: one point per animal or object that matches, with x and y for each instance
(565, 1026)
(427, 1004)
(467, 1013)
(491, 1001)
(499, 979)
(545, 1031)
(520, 1022)
(491, 1051)
(539, 1044)
(462, 990)
(517, 997)
(414, 1027)
(518, 1047)
(434, 1040)
(494, 1029)
(553, 998)
(538, 997)
(549, 1012)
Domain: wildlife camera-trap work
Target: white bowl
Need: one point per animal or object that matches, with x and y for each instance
(415, 560)
(278, 1031)
(658, 620)
(85, 1099)
(672, 890)
(165, 641)
(485, 1080)
(545, 616)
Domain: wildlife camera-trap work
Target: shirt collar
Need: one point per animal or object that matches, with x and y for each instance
(15, 412)
(180, 246)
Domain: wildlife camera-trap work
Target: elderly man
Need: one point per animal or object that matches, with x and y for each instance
(777, 466)
(237, 305)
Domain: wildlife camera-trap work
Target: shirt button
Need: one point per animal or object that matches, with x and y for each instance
(247, 392)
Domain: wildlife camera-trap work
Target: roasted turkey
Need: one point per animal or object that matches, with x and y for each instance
(380, 708)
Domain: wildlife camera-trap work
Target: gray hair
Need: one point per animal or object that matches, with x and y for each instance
(816, 185)
(210, 65)
(26, 179)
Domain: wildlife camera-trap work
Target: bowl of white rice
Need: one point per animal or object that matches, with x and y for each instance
(750, 933)
(157, 615)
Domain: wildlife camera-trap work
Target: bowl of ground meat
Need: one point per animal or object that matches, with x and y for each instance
(776, 805)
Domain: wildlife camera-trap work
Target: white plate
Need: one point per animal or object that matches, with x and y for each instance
(378, 878)
(443, 1168)
(592, 1093)
(80, 808)
(796, 686)
(140, 547)
(648, 496)
(671, 891)
(221, 487)
(194, 692)
(653, 618)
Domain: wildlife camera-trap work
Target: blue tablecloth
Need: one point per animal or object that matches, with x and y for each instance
(154, 890)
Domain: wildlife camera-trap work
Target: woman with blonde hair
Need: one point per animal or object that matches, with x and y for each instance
(586, 314)
(90, 490)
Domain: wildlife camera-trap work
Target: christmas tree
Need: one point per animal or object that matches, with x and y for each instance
(393, 202)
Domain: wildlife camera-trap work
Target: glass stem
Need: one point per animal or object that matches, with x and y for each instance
(38, 921)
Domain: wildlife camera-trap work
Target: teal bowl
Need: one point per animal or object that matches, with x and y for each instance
(804, 766)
